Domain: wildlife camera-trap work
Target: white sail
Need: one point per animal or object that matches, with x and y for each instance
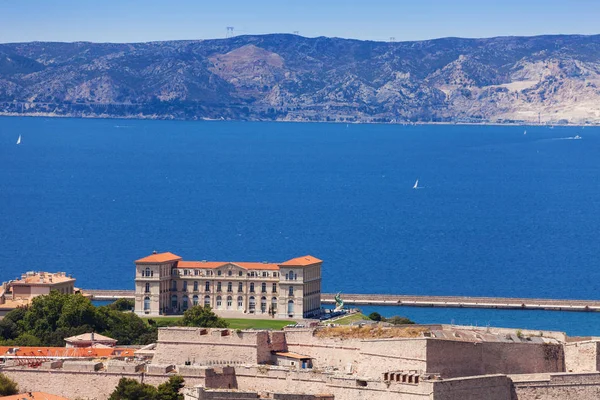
(525, 133)
(416, 185)
(19, 140)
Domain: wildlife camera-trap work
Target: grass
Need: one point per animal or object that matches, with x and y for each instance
(370, 332)
(349, 319)
(234, 323)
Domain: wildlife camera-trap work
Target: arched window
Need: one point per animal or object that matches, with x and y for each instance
(263, 288)
(146, 303)
(173, 301)
(195, 286)
(184, 303)
(147, 287)
(229, 272)
(206, 301)
(263, 304)
(207, 286)
(229, 302)
(291, 291)
(291, 308)
(219, 302)
(229, 287)
(195, 300)
(251, 304)
(219, 273)
(240, 273)
(240, 287)
(252, 287)
(274, 304)
(240, 302)
(147, 272)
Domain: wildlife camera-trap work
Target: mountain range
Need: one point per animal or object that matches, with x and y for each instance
(542, 79)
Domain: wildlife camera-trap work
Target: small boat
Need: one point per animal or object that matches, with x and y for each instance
(416, 185)
(577, 137)
(525, 133)
(19, 140)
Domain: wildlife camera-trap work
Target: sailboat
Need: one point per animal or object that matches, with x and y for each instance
(19, 140)
(416, 185)
(525, 133)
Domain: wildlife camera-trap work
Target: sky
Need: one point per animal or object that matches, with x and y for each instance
(154, 20)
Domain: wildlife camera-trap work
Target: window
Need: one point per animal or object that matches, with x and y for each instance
(195, 300)
(251, 304)
(230, 287)
(265, 274)
(147, 287)
(291, 291)
(291, 308)
(196, 272)
(263, 288)
(174, 286)
(207, 286)
(185, 272)
(286, 277)
(195, 286)
(229, 302)
(252, 287)
(146, 303)
(184, 303)
(185, 286)
(219, 273)
(174, 301)
(218, 286)
(206, 301)
(274, 290)
(240, 273)
(229, 272)
(219, 301)
(263, 304)
(240, 287)
(274, 304)
(240, 302)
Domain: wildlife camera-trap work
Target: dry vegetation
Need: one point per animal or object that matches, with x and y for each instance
(370, 332)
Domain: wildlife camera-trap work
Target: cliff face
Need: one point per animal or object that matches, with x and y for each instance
(289, 77)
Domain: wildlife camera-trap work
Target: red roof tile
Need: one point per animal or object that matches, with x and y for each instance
(217, 264)
(50, 352)
(158, 258)
(302, 261)
(33, 396)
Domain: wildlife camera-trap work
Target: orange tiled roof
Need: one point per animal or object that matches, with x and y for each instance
(50, 352)
(46, 279)
(217, 264)
(33, 396)
(302, 261)
(158, 258)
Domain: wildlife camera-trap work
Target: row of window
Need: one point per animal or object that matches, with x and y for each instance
(219, 303)
(229, 287)
(252, 274)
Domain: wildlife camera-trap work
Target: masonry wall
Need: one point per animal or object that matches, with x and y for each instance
(582, 356)
(453, 359)
(491, 387)
(559, 387)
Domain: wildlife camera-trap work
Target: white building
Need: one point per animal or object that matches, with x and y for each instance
(165, 284)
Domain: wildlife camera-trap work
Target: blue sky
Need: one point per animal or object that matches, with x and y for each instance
(148, 20)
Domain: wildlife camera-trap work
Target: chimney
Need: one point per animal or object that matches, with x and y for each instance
(92, 336)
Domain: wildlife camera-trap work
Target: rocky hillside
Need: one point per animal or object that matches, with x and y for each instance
(554, 79)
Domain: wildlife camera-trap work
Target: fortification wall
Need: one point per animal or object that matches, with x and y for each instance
(490, 387)
(452, 359)
(379, 356)
(582, 356)
(559, 387)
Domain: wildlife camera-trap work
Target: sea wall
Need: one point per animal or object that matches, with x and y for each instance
(558, 387)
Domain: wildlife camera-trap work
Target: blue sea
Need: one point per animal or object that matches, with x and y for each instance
(499, 213)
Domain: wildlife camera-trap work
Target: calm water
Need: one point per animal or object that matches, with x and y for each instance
(500, 213)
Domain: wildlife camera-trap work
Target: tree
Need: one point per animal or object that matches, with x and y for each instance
(130, 389)
(123, 305)
(397, 320)
(170, 389)
(375, 316)
(8, 387)
(202, 317)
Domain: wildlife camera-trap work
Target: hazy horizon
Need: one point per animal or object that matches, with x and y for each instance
(380, 20)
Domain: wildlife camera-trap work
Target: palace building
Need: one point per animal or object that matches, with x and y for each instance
(166, 284)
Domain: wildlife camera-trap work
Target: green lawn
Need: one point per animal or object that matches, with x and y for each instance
(234, 323)
(349, 319)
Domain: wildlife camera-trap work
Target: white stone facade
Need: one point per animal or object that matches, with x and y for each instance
(165, 284)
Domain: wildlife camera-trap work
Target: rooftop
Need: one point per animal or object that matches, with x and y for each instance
(218, 264)
(33, 396)
(42, 278)
(158, 258)
(290, 354)
(89, 337)
(302, 261)
(64, 352)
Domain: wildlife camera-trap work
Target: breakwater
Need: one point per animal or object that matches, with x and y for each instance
(420, 301)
